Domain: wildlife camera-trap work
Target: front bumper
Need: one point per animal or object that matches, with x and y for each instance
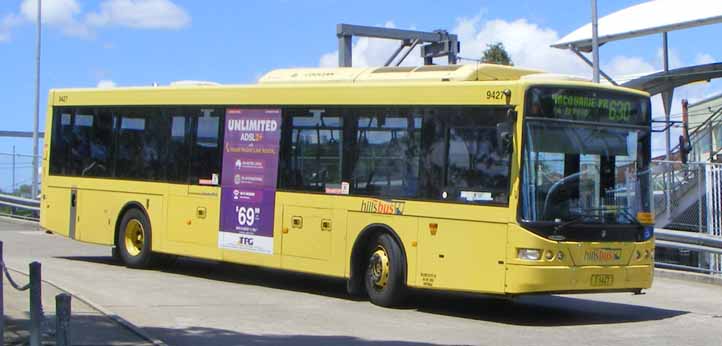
(522, 279)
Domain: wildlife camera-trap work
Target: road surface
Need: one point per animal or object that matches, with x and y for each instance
(191, 302)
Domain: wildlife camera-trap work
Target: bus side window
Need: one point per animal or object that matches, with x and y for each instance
(205, 149)
(79, 151)
(61, 141)
(178, 148)
(140, 144)
(313, 161)
(100, 163)
(387, 153)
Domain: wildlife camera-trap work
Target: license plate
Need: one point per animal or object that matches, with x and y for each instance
(602, 280)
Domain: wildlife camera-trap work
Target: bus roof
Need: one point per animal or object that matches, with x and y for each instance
(431, 73)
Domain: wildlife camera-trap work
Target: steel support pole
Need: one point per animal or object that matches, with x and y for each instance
(710, 133)
(37, 104)
(62, 317)
(700, 208)
(36, 304)
(2, 300)
(595, 42)
(396, 53)
(408, 51)
(344, 51)
(12, 190)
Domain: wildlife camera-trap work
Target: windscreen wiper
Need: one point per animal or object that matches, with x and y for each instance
(565, 224)
(576, 220)
(630, 217)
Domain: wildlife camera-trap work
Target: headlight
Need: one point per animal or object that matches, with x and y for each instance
(548, 255)
(529, 254)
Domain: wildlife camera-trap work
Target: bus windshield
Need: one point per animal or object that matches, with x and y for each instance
(584, 172)
(579, 171)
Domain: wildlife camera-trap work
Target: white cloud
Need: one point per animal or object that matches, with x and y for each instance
(6, 25)
(372, 52)
(105, 84)
(625, 68)
(527, 44)
(68, 16)
(140, 14)
(703, 59)
(60, 14)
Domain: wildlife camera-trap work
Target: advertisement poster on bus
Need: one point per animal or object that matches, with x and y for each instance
(248, 181)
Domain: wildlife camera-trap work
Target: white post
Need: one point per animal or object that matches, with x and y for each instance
(37, 104)
(595, 42)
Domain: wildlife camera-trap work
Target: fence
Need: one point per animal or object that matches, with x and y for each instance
(16, 173)
(688, 197)
(37, 317)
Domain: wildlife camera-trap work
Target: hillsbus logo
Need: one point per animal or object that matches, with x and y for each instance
(603, 255)
(382, 207)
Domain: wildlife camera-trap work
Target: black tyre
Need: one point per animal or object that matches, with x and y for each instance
(134, 239)
(386, 272)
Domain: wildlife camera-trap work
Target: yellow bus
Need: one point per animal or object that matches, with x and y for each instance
(474, 178)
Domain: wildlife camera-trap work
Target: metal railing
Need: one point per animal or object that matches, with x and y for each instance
(37, 316)
(19, 208)
(685, 195)
(709, 246)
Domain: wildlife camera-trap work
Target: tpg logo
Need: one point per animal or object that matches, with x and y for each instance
(245, 241)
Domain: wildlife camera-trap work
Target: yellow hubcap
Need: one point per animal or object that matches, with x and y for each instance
(379, 264)
(134, 237)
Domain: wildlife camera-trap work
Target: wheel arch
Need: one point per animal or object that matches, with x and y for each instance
(357, 260)
(123, 210)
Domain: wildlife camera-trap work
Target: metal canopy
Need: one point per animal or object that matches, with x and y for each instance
(661, 81)
(647, 18)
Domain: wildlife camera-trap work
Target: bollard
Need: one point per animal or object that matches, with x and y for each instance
(62, 317)
(36, 302)
(2, 294)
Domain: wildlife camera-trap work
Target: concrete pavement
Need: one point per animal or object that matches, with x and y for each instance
(193, 302)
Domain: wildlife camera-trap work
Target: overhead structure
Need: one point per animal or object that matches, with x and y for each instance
(433, 44)
(648, 18)
(658, 82)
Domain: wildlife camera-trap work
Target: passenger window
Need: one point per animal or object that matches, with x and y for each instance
(205, 151)
(477, 170)
(140, 145)
(387, 152)
(62, 138)
(312, 147)
(81, 135)
(178, 148)
(100, 163)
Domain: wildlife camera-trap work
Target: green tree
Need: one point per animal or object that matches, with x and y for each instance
(24, 190)
(496, 54)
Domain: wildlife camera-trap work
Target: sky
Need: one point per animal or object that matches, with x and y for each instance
(106, 43)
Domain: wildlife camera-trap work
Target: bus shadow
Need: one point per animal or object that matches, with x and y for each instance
(540, 310)
(533, 310)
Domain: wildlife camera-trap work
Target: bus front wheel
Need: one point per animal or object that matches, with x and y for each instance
(384, 277)
(134, 239)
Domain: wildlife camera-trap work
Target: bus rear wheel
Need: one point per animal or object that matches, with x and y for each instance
(134, 239)
(384, 278)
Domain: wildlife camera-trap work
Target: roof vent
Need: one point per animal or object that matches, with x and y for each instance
(194, 83)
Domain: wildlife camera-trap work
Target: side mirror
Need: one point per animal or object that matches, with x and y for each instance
(505, 136)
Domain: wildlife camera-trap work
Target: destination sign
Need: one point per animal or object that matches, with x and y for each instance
(588, 105)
